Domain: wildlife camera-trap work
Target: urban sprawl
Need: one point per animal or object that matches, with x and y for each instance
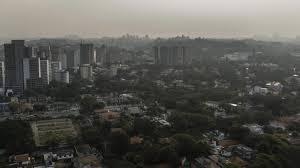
(139, 102)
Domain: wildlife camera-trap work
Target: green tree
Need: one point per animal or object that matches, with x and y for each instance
(14, 107)
(231, 165)
(266, 161)
(87, 104)
(143, 126)
(183, 121)
(238, 132)
(186, 145)
(119, 142)
(169, 154)
(16, 136)
(92, 136)
(150, 154)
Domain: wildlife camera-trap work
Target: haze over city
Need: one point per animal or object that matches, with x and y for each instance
(149, 83)
(98, 18)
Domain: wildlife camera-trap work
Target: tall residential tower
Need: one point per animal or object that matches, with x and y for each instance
(14, 54)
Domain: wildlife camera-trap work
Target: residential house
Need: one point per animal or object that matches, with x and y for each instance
(243, 152)
(20, 161)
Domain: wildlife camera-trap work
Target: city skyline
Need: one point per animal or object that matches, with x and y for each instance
(157, 18)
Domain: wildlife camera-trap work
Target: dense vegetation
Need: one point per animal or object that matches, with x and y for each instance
(16, 137)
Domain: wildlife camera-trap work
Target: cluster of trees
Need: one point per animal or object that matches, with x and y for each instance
(275, 152)
(64, 92)
(16, 136)
(89, 103)
(185, 122)
(106, 84)
(260, 117)
(59, 91)
(181, 145)
(268, 75)
(151, 151)
(96, 135)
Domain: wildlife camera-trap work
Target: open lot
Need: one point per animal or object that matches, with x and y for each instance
(53, 131)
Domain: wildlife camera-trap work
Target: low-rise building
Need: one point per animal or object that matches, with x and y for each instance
(51, 158)
(243, 152)
(88, 161)
(136, 140)
(20, 161)
(275, 88)
(107, 115)
(258, 90)
(255, 128)
(87, 157)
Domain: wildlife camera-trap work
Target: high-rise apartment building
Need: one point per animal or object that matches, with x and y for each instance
(26, 71)
(70, 58)
(2, 77)
(45, 72)
(86, 54)
(170, 55)
(34, 68)
(62, 76)
(101, 54)
(77, 58)
(63, 60)
(14, 54)
(55, 67)
(86, 72)
(55, 53)
(35, 80)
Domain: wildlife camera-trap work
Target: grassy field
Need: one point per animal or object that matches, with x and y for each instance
(56, 131)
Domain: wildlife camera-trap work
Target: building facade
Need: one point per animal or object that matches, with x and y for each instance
(14, 55)
(55, 67)
(86, 72)
(101, 54)
(45, 72)
(86, 54)
(2, 77)
(62, 76)
(170, 55)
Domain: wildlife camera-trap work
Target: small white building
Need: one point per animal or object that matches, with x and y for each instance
(274, 87)
(237, 56)
(254, 128)
(259, 90)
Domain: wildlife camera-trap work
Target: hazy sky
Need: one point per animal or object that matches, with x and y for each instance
(89, 18)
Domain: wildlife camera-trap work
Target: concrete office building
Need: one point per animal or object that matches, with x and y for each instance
(86, 54)
(170, 55)
(55, 67)
(62, 76)
(14, 54)
(101, 54)
(45, 72)
(86, 72)
(26, 71)
(63, 60)
(34, 68)
(44, 52)
(55, 52)
(35, 76)
(70, 58)
(2, 78)
(77, 58)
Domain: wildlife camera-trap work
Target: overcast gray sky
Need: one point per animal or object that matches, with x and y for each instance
(89, 18)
